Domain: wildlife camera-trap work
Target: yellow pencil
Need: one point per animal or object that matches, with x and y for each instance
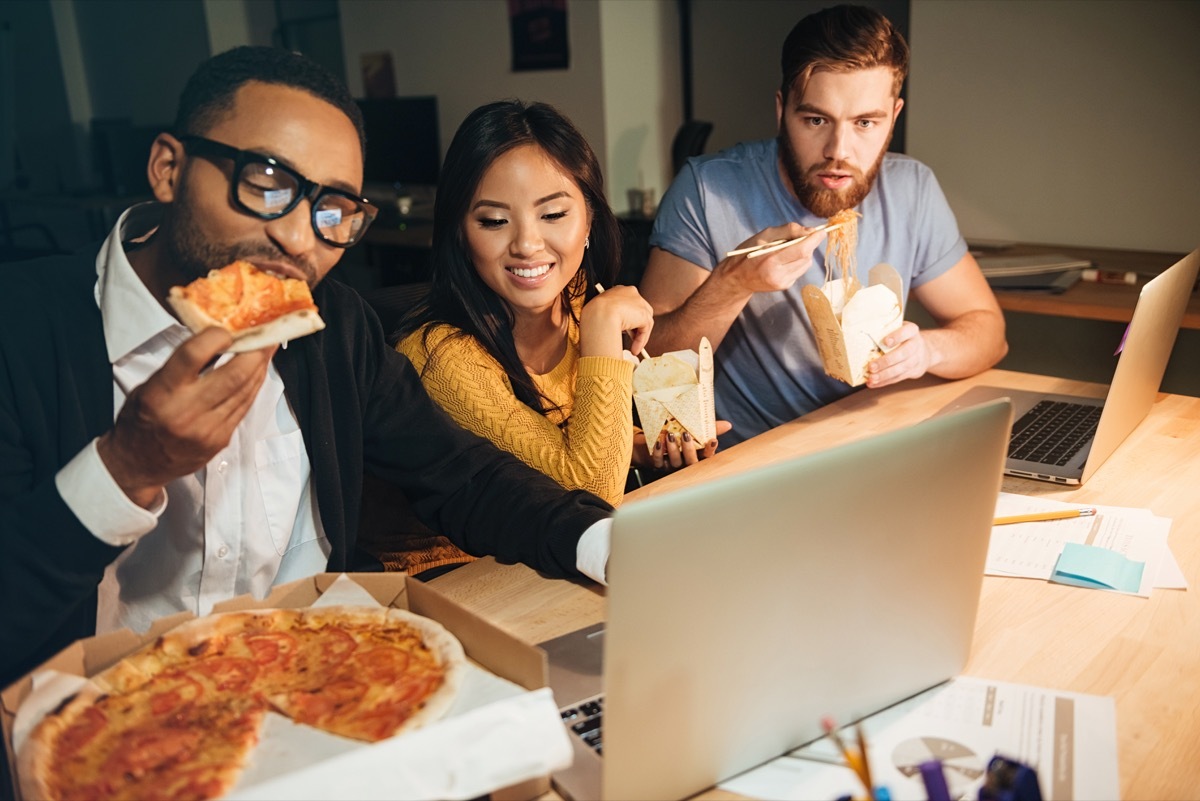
(866, 761)
(1033, 517)
(854, 761)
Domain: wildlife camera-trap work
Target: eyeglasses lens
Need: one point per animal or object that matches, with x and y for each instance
(265, 189)
(270, 191)
(338, 218)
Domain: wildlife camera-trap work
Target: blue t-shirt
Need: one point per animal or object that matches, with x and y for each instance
(768, 369)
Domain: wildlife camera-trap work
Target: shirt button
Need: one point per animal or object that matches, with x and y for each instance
(222, 552)
(222, 466)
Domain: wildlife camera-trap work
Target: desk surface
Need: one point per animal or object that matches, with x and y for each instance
(1092, 301)
(1143, 652)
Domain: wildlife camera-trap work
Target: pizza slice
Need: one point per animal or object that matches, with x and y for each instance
(256, 307)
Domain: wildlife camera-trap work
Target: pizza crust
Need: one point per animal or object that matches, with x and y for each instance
(35, 761)
(183, 651)
(283, 328)
(292, 325)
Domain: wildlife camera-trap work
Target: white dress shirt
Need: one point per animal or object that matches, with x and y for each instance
(244, 522)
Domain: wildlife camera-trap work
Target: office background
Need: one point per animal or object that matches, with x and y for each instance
(1070, 122)
(1066, 122)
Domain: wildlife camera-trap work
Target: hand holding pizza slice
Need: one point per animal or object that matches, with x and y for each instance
(256, 307)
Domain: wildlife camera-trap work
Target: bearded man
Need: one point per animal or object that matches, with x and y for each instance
(836, 109)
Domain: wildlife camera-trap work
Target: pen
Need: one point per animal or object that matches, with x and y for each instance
(934, 780)
(1033, 517)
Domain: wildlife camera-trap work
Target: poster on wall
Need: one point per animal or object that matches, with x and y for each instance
(539, 35)
(379, 77)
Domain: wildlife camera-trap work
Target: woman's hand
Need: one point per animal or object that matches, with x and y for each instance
(607, 316)
(671, 452)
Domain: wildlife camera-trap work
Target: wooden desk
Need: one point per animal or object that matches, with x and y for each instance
(1092, 301)
(1143, 652)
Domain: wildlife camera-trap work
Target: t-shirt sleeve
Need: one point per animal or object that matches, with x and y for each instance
(679, 225)
(940, 245)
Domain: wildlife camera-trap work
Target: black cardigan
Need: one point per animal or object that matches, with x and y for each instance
(359, 403)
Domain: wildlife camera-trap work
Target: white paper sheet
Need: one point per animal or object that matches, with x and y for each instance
(1069, 738)
(1031, 550)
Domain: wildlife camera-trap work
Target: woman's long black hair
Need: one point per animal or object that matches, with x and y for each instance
(458, 296)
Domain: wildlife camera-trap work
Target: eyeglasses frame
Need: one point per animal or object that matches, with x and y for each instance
(308, 189)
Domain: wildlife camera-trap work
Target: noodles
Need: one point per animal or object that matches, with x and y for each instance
(843, 244)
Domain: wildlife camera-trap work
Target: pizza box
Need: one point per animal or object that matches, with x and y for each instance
(371, 770)
(850, 323)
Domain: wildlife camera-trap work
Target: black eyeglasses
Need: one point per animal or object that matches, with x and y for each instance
(267, 189)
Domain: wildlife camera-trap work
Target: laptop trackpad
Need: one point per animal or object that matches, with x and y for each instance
(576, 664)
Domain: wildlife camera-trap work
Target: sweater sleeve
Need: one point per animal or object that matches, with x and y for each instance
(591, 451)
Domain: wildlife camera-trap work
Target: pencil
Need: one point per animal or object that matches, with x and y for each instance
(853, 760)
(1033, 517)
(866, 763)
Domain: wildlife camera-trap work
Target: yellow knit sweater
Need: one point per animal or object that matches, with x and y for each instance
(590, 451)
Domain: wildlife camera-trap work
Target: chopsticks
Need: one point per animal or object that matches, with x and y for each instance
(754, 251)
(641, 354)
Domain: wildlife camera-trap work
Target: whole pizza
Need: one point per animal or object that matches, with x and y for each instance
(179, 718)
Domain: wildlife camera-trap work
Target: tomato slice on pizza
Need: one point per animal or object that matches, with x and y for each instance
(256, 307)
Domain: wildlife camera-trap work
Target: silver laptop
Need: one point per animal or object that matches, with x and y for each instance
(1065, 438)
(743, 610)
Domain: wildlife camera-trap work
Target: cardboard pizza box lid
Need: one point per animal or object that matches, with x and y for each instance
(484, 643)
(846, 350)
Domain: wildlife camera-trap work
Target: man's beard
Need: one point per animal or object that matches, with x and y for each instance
(819, 200)
(189, 254)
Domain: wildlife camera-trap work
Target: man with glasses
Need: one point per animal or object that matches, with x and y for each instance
(143, 471)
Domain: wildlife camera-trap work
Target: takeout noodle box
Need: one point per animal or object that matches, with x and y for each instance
(362, 772)
(849, 321)
(678, 385)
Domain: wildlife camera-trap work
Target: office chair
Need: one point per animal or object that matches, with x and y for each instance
(689, 141)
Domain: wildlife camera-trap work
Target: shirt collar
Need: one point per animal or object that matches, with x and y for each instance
(131, 315)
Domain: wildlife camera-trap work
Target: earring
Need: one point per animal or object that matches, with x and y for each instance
(587, 242)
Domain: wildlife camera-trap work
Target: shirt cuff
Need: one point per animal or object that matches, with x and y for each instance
(591, 554)
(101, 505)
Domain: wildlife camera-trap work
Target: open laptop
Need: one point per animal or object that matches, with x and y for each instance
(1065, 438)
(743, 610)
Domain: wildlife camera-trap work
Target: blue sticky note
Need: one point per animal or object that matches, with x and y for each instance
(1097, 568)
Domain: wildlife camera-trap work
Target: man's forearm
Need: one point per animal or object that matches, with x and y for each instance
(708, 312)
(967, 345)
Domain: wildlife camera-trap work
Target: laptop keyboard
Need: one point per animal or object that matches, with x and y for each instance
(585, 719)
(1052, 432)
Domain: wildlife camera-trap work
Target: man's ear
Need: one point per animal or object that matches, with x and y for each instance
(778, 111)
(899, 105)
(165, 167)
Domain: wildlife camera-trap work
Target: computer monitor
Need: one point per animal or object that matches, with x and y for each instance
(403, 146)
(120, 151)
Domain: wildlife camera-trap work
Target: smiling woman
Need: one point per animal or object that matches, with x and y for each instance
(513, 339)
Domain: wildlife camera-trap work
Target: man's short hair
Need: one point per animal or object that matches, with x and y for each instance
(841, 39)
(209, 93)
